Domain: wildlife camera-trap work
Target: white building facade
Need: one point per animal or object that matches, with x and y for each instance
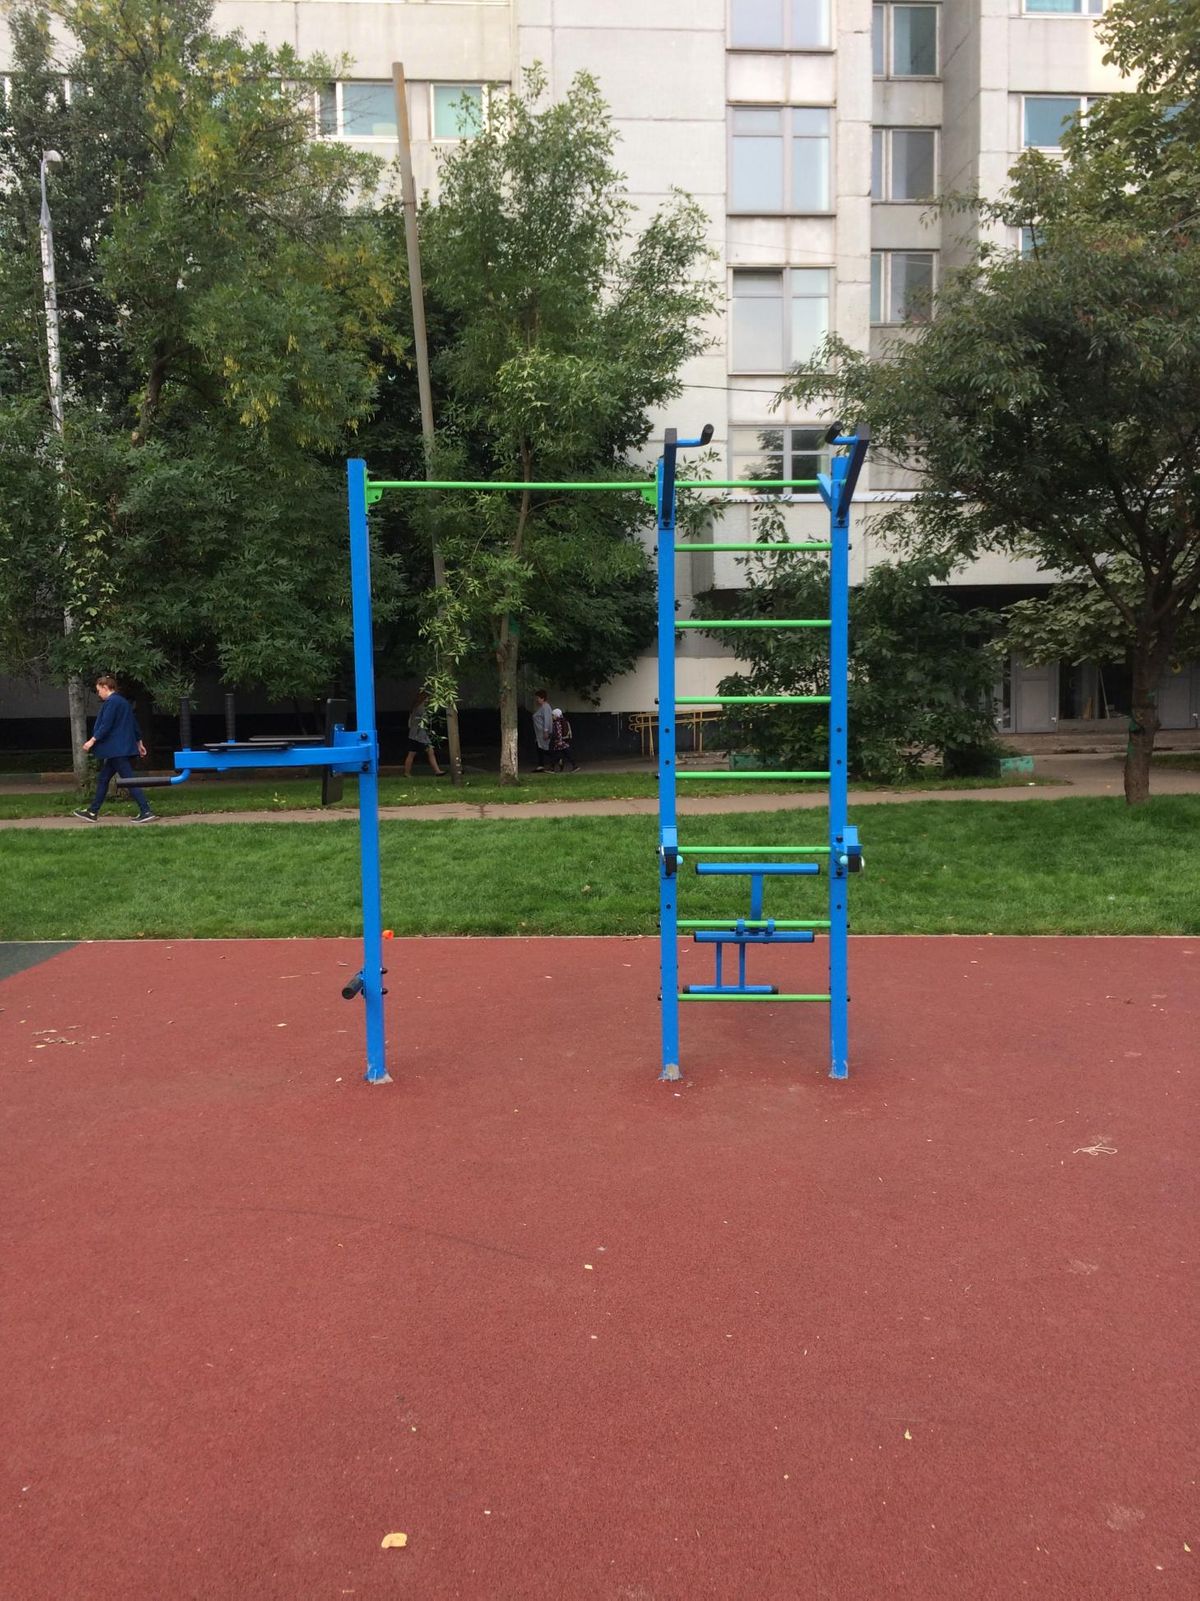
(813, 133)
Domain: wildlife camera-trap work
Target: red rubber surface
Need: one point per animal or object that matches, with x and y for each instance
(930, 1333)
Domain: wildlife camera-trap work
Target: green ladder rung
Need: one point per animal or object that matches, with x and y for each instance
(684, 996)
(765, 547)
(752, 700)
(751, 850)
(752, 922)
(752, 622)
(741, 776)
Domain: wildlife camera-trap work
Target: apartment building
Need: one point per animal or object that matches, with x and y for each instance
(814, 133)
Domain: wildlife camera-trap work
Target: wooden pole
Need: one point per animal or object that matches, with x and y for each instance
(412, 242)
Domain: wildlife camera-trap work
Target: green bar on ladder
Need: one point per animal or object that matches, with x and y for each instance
(753, 622)
(684, 996)
(765, 547)
(751, 850)
(752, 700)
(751, 922)
(740, 776)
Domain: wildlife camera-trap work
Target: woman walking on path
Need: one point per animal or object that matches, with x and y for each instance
(419, 737)
(116, 738)
(560, 742)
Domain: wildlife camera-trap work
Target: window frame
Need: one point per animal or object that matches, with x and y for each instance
(484, 110)
(786, 206)
(786, 300)
(1088, 12)
(788, 451)
(884, 257)
(338, 85)
(887, 166)
(787, 46)
(1086, 102)
(889, 42)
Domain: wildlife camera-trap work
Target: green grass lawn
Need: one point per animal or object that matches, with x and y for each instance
(1079, 866)
(198, 797)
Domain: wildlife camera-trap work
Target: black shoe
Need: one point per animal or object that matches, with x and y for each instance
(86, 811)
(146, 817)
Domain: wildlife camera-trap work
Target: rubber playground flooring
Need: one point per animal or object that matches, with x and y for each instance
(576, 1333)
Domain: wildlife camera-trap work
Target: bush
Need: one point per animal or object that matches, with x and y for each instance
(921, 670)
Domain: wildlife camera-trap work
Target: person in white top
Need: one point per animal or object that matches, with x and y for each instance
(419, 737)
(543, 727)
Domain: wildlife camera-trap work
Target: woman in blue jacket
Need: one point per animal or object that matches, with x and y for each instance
(116, 738)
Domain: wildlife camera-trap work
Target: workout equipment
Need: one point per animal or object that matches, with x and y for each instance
(337, 752)
(344, 751)
(843, 853)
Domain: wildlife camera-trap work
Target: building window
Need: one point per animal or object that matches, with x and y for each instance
(1031, 241)
(904, 41)
(779, 318)
(366, 109)
(779, 24)
(765, 451)
(458, 110)
(902, 284)
(1045, 118)
(903, 163)
(779, 158)
(1064, 8)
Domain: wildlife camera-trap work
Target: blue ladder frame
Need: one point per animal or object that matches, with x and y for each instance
(844, 851)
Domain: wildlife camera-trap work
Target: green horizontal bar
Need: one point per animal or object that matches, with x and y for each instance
(750, 775)
(816, 544)
(752, 700)
(467, 483)
(753, 622)
(760, 484)
(746, 483)
(750, 850)
(686, 997)
(752, 922)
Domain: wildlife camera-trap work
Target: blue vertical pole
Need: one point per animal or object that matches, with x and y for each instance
(839, 670)
(368, 782)
(668, 838)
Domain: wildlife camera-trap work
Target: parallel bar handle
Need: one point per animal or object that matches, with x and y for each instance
(763, 546)
(752, 850)
(752, 700)
(752, 622)
(740, 775)
(686, 996)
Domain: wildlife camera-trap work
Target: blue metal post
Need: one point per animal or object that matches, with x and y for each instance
(668, 837)
(368, 782)
(839, 670)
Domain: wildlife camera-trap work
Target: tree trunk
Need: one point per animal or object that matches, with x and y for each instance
(507, 651)
(1143, 726)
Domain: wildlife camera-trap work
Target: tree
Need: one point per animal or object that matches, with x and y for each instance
(225, 304)
(1052, 406)
(564, 332)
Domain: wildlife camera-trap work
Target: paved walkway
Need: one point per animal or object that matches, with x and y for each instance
(1094, 774)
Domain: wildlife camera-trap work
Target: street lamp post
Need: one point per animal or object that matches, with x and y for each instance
(75, 697)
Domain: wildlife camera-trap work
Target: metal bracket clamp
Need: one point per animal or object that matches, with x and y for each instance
(849, 859)
(668, 852)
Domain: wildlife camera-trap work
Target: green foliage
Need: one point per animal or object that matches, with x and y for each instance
(224, 309)
(920, 680)
(1051, 408)
(561, 333)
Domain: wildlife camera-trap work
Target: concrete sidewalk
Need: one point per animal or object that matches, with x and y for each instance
(1089, 775)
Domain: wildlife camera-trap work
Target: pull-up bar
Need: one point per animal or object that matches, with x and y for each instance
(762, 485)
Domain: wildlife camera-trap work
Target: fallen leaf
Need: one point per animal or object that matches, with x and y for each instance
(907, 1435)
(392, 1542)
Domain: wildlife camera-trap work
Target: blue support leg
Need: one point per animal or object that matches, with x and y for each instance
(668, 839)
(368, 783)
(839, 666)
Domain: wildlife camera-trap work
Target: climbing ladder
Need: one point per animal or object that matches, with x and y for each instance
(842, 854)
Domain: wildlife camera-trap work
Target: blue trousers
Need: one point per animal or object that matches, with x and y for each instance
(117, 767)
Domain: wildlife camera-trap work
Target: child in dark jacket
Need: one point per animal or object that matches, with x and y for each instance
(560, 743)
(115, 739)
